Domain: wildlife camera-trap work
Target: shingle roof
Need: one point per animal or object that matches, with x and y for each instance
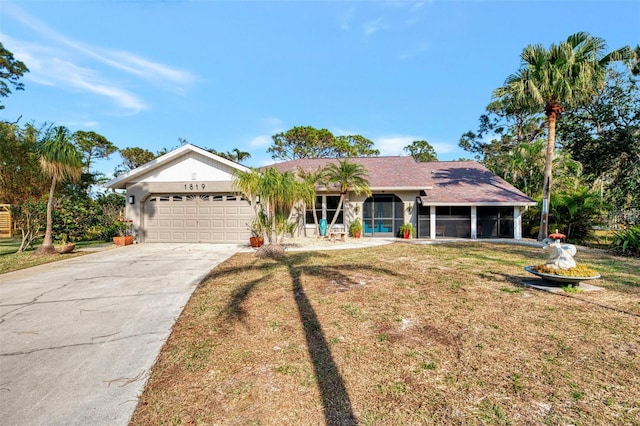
(445, 182)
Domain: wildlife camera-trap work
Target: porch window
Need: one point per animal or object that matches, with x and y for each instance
(326, 206)
(495, 222)
(453, 221)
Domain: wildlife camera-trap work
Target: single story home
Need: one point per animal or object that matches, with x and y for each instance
(187, 195)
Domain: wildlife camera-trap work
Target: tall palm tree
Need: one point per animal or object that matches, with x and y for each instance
(313, 178)
(239, 156)
(278, 193)
(59, 159)
(347, 176)
(565, 76)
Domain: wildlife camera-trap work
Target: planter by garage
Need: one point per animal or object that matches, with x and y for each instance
(256, 241)
(123, 241)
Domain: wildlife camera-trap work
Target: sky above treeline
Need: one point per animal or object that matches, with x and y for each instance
(230, 74)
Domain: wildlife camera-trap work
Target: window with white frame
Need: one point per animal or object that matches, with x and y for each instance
(326, 206)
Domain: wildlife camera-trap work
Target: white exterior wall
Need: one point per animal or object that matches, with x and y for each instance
(517, 223)
(474, 222)
(191, 167)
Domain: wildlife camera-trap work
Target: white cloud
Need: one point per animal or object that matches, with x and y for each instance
(53, 62)
(393, 145)
(344, 132)
(443, 147)
(49, 67)
(417, 6)
(260, 141)
(345, 19)
(415, 51)
(273, 124)
(372, 27)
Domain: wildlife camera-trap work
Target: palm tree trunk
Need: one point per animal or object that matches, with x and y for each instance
(315, 217)
(335, 215)
(548, 167)
(47, 244)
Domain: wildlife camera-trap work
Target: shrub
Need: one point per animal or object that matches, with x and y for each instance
(626, 242)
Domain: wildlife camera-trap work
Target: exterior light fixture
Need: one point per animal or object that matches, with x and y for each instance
(132, 199)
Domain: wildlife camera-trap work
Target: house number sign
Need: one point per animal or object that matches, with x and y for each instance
(194, 186)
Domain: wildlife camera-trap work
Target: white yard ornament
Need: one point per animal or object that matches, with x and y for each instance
(560, 255)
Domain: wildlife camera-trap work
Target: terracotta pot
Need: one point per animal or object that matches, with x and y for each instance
(123, 241)
(356, 234)
(406, 235)
(66, 248)
(256, 241)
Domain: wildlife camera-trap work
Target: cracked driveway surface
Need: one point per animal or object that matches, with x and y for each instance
(78, 338)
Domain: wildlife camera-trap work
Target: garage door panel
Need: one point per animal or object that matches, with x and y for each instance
(206, 218)
(204, 224)
(232, 223)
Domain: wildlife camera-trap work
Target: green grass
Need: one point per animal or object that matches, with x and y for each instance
(10, 260)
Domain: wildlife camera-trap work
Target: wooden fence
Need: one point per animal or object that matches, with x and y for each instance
(6, 225)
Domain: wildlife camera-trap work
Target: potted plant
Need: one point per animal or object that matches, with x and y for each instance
(406, 230)
(355, 228)
(65, 246)
(257, 227)
(125, 232)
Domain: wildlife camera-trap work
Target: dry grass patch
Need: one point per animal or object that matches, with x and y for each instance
(16, 261)
(401, 334)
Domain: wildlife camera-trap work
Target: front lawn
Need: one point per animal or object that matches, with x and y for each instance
(10, 260)
(401, 334)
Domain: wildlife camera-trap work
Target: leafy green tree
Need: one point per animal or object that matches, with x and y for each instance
(59, 159)
(635, 61)
(93, 146)
(421, 151)
(10, 72)
(565, 76)
(574, 212)
(346, 176)
(133, 157)
(604, 136)
(20, 174)
(354, 146)
(301, 142)
(30, 217)
(507, 126)
(309, 142)
(234, 155)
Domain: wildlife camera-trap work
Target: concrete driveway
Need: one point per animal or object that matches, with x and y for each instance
(78, 338)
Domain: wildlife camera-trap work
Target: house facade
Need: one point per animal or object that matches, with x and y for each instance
(187, 196)
(460, 199)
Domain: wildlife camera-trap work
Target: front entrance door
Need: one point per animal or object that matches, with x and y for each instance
(383, 215)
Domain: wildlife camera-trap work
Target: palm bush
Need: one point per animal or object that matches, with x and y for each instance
(627, 242)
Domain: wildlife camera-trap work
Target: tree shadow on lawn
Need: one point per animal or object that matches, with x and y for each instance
(335, 399)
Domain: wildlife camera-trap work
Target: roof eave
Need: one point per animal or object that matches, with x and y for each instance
(121, 181)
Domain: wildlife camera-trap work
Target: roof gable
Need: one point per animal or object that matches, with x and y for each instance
(180, 164)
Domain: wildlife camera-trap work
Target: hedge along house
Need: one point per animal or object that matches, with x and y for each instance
(460, 199)
(186, 195)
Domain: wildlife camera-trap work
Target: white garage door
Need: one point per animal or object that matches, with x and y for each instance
(204, 218)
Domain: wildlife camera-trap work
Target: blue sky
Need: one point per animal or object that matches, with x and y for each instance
(226, 75)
